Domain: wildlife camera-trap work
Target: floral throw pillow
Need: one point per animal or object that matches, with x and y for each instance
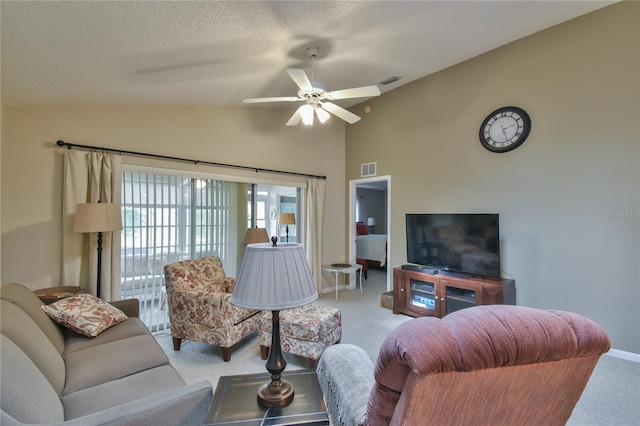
(84, 314)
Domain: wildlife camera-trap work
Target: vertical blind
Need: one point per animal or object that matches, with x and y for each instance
(166, 219)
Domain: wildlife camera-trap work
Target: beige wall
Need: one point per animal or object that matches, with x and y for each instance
(32, 165)
(568, 198)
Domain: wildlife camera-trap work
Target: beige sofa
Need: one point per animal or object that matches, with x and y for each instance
(52, 375)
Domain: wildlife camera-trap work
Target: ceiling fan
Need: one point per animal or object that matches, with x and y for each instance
(316, 97)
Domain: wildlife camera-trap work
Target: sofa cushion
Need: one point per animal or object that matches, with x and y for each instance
(31, 304)
(26, 394)
(25, 333)
(128, 328)
(120, 391)
(96, 365)
(84, 314)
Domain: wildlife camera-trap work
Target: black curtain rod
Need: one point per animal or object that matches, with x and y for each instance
(185, 160)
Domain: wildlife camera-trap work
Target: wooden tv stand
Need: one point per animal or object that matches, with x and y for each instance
(420, 294)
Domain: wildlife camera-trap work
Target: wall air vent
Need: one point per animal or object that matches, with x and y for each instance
(368, 169)
(389, 80)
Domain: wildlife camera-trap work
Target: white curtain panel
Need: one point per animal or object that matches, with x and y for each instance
(315, 215)
(90, 177)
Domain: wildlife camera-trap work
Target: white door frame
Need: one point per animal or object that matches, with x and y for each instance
(352, 221)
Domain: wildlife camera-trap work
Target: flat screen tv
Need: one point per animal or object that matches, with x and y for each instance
(459, 243)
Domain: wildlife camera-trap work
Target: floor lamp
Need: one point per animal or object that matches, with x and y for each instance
(272, 278)
(98, 217)
(287, 219)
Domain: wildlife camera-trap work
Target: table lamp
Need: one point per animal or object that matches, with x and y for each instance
(98, 217)
(371, 222)
(256, 235)
(287, 219)
(274, 278)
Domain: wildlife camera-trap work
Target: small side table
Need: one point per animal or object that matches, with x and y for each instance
(53, 294)
(235, 401)
(338, 269)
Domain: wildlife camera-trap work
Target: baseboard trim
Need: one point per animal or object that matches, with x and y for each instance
(629, 356)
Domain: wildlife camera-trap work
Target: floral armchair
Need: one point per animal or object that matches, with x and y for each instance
(198, 294)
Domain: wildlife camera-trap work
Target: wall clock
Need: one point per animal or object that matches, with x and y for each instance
(505, 129)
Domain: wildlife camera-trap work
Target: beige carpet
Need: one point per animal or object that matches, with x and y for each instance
(612, 396)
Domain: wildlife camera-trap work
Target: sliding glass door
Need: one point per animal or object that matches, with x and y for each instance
(169, 218)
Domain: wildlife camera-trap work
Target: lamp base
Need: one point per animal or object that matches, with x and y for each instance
(276, 393)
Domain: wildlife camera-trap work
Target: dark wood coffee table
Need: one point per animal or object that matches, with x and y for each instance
(235, 401)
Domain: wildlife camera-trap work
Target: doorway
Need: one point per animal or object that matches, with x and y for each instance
(383, 185)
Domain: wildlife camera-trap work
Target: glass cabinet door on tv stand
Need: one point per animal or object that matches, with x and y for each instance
(422, 295)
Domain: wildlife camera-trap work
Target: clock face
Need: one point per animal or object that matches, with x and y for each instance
(505, 129)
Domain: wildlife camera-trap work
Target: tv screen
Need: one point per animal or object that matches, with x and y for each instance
(465, 243)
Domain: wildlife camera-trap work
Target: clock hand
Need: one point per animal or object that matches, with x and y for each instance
(504, 132)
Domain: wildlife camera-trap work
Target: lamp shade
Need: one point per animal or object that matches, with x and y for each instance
(97, 217)
(287, 219)
(274, 278)
(256, 235)
(371, 221)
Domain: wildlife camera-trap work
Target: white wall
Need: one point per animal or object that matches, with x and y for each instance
(32, 165)
(568, 198)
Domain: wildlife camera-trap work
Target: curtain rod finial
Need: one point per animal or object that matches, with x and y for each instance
(60, 143)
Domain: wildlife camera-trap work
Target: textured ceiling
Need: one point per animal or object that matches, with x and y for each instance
(217, 53)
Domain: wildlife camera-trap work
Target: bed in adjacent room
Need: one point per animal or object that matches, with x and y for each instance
(371, 247)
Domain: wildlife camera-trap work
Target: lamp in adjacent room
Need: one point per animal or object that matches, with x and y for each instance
(287, 219)
(371, 221)
(256, 235)
(98, 217)
(273, 278)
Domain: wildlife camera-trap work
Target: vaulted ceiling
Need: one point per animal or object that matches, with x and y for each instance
(219, 52)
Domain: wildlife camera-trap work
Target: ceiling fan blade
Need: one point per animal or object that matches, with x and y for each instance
(300, 78)
(274, 99)
(356, 92)
(295, 118)
(338, 111)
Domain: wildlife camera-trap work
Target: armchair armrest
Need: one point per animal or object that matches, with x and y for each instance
(345, 373)
(186, 405)
(130, 307)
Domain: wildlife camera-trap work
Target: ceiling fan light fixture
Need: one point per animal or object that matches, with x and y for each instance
(306, 112)
(322, 115)
(317, 98)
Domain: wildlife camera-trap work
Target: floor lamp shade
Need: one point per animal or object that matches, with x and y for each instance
(287, 219)
(274, 278)
(97, 217)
